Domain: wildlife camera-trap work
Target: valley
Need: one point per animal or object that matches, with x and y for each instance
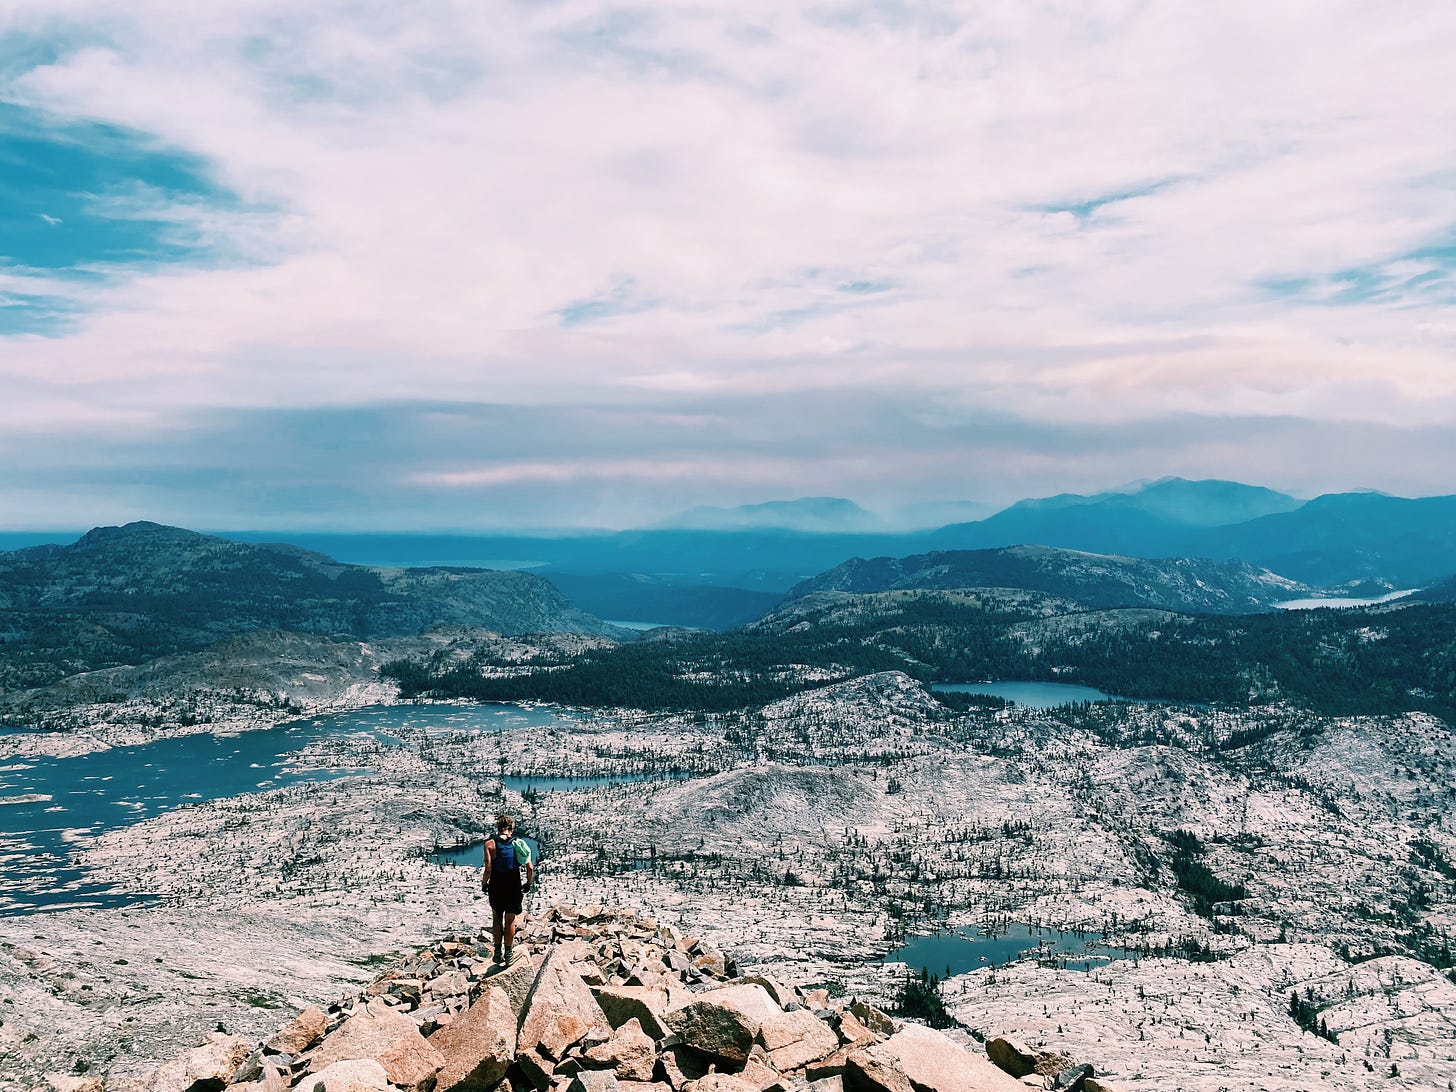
(816, 833)
(1261, 844)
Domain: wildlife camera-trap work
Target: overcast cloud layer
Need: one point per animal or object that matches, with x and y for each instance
(492, 264)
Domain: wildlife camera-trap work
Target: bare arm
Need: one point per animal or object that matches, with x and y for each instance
(489, 859)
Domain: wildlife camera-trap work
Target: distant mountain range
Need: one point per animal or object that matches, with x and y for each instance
(1095, 580)
(826, 516)
(716, 574)
(816, 515)
(124, 595)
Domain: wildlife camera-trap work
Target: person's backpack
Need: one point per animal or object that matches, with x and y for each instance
(505, 855)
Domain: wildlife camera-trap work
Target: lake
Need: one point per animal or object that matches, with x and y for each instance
(1033, 695)
(48, 804)
(472, 854)
(1330, 601)
(959, 951)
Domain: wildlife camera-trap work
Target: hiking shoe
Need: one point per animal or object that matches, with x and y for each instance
(509, 950)
(497, 957)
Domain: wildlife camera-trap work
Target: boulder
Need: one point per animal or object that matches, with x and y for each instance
(515, 981)
(794, 1039)
(412, 1063)
(1072, 1079)
(682, 1064)
(723, 1023)
(302, 1032)
(261, 1073)
(366, 1034)
(645, 1004)
(781, 994)
(720, 1082)
(66, 1082)
(832, 1066)
(272, 1080)
(537, 1071)
(450, 984)
(478, 1047)
(853, 1032)
(763, 1076)
(1049, 1063)
(560, 1009)
(593, 1080)
(917, 1059)
(206, 1068)
(873, 1019)
(351, 1075)
(630, 1053)
(1011, 1055)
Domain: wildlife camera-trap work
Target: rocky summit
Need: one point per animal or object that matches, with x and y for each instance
(596, 1000)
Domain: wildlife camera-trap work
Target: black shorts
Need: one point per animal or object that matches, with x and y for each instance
(505, 891)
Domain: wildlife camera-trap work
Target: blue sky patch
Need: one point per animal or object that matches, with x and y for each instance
(617, 301)
(1414, 277)
(1084, 209)
(69, 195)
(82, 203)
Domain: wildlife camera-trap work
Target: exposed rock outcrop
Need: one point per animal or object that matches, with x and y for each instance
(600, 1001)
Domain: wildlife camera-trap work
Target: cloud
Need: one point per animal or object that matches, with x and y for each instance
(1091, 220)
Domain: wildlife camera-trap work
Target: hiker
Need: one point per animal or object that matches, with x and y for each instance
(505, 857)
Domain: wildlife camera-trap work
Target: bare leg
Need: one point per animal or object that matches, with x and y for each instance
(510, 929)
(497, 927)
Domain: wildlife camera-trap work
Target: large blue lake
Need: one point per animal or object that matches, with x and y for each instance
(1340, 604)
(47, 805)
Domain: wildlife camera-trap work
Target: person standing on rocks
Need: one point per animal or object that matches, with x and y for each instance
(506, 857)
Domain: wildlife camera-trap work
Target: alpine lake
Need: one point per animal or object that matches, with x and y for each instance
(48, 805)
(958, 951)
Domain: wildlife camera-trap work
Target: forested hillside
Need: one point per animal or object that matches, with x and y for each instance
(1375, 660)
(124, 595)
(1094, 580)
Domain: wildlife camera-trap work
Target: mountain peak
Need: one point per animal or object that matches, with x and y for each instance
(136, 530)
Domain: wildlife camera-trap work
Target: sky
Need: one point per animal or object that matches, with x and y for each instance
(506, 265)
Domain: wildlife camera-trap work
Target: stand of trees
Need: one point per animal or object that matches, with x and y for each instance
(1335, 662)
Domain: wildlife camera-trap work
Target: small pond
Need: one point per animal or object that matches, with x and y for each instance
(472, 854)
(958, 951)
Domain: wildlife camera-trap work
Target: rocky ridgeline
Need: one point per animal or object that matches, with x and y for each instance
(596, 1001)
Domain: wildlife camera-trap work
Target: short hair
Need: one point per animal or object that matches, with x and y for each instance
(503, 820)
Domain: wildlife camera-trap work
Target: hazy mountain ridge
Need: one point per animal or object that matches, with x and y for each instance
(123, 595)
(1443, 591)
(1158, 519)
(1356, 541)
(1347, 537)
(1097, 580)
(1204, 503)
(811, 514)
